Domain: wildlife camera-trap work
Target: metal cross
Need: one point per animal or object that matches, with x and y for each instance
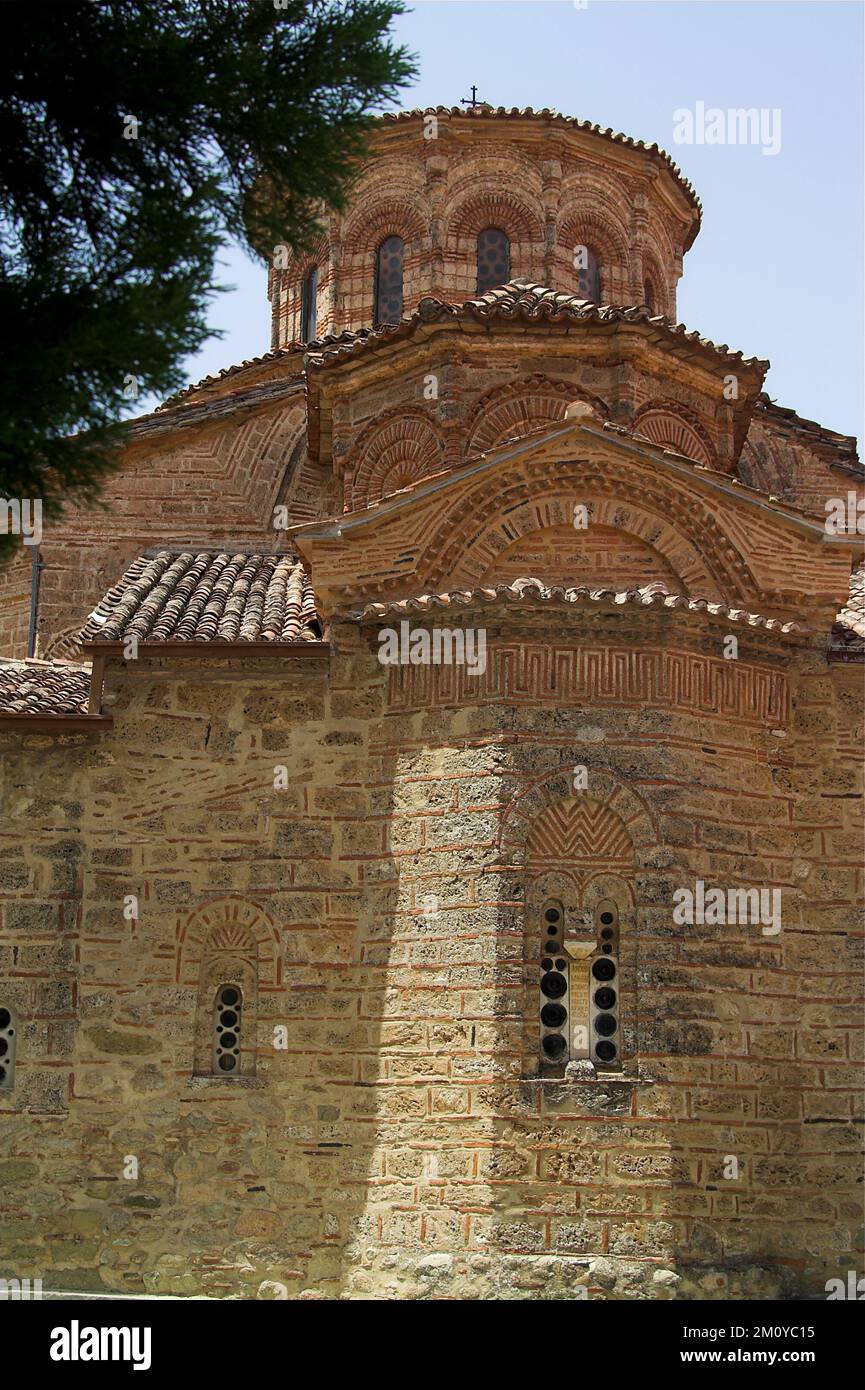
(464, 101)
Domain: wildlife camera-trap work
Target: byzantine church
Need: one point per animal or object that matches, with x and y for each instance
(352, 758)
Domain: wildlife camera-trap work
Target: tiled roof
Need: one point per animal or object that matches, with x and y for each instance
(170, 596)
(840, 449)
(518, 300)
(852, 615)
(555, 118)
(847, 642)
(533, 591)
(523, 302)
(43, 687)
(177, 413)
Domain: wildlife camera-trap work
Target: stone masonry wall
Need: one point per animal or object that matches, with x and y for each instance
(404, 1141)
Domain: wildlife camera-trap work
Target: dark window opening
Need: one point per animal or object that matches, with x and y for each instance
(388, 281)
(494, 259)
(589, 278)
(226, 1030)
(7, 1049)
(604, 1030)
(308, 295)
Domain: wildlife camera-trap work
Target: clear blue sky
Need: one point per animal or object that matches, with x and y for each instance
(777, 269)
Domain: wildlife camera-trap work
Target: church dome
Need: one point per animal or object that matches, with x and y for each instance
(454, 202)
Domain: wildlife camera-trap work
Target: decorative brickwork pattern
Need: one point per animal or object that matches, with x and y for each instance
(391, 455)
(561, 554)
(665, 425)
(507, 412)
(558, 673)
(578, 833)
(542, 179)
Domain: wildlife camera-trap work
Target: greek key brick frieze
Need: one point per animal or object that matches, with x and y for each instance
(560, 675)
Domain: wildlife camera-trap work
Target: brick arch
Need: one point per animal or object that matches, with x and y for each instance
(306, 487)
(494, 208)
(303, 261)
(488, 518)
(231, 925)
(660, 243)
(519, 407)
(381, 216)
(392, 453)
(586, 226)
(492, 168)
(653, 272)
(672, 426)
(486, 199)
(63, 646)
(607, 825)
(767, 464)
(378, 218)
(577, 848)
(590, 219)
(286, 289)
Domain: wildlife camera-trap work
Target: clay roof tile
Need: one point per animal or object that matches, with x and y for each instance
(43, 687)
(206, 597)
(533, 591)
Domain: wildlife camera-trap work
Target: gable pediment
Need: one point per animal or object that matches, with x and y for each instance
(700, 533)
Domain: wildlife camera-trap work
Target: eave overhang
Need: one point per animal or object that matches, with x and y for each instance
(56, 723)
(204, 649)
(576, 601)
(531, 311)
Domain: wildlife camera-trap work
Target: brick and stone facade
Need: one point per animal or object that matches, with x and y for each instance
(224, 784)
(437, 178)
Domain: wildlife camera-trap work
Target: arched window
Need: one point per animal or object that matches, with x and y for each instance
(604, 1039)
(649, 295)
(588, 274)
(556, 1026)
(388, 280)
(226, 1031)
(308, 294)
(226, 1009)
(494, 259)
(579, 988)
(7, 1049)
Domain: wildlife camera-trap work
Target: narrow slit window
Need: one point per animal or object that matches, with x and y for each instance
(227, 1023)
(7, 1048)
(649, 295)
(494, 259)
(388, 280)
(604, 989)
(554, 1001)
(589, 286)
(308, 295)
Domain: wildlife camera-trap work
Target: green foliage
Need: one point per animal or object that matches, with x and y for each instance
(136, 137)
